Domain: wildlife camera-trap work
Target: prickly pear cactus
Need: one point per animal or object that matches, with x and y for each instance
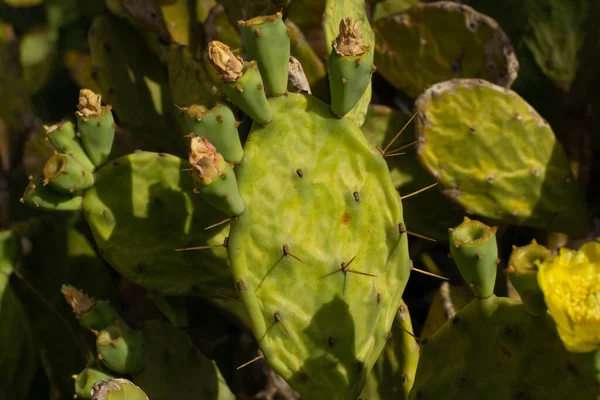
(433, 42)
(530, 184)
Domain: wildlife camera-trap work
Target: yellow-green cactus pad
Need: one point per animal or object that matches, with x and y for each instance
(393, 375)
(494, 349)
(497, 157)
(141, 210)
(318, 257)
(434, 42)
(175, 369)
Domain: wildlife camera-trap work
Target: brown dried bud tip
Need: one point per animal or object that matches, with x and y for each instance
(90, 104)
(349, 41)
(228, 65)
(79, 301)
(206, 162)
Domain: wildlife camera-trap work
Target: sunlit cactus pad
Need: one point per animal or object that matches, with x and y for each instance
(321, 213)
(433, 42)
(141, 210)
(496, 156)
(493, 349)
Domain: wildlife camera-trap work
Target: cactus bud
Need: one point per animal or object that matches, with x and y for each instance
(207, 163)
(90, 104)
(228, 65)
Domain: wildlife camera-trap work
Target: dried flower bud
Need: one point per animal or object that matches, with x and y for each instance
(349, 41)
(206, 162)
(90, 104)
(79, 301)
(228, 65)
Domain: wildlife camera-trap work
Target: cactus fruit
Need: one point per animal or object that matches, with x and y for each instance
(415, 50)
(525, 351)
(393, 374)
(65, 140)
(116, 389)
(92, 314)
(531, 184)
(96, 126)
(86, 379)
(474, 250)
(120, 348)
(279, 255)
(219, 126)
(65, 174)
(522, 272)
(242, 82)
(350, 67)
(39, 195)
(267, 41)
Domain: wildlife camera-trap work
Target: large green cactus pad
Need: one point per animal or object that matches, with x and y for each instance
(434, 42)
(527, 357)
(497, 157)
(175, 369)
(141, 210)
(312, 182)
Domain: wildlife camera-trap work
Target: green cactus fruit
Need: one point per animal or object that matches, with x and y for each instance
(531, 184)
(350, 67)
(266, 40)
(242, 82)
(318, 255)
(96, 126)
(381, 125)
(522, 273)
(120, 349)
(474, 250)
(335, 11)
(141, 209)
(494, 349)
(393, 374)
(414, 48)
(312, 64)
(219, 126)
(39, 195)
(65, 140)
(214, 177)
(134, 82)
(92, 314)
(19, 359)
(86, 379)
(174, 308)
(65, 174)
(175, 370)
(117, 389)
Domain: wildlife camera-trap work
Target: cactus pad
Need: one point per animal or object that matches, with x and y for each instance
(497, 333)
(434, 42)
(530, 184)
(141, 210)
(323, 215)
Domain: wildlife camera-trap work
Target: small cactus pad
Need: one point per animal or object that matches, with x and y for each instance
(393, 374)
(522, 271)
(267, 40)
(494, 349)
(86, 379)
(117, 389)
(474, 250)
(65, 140)
(141, 210)
(318, 256)
(175, 369)
(434, 42)
(335, 11)
(530, 184)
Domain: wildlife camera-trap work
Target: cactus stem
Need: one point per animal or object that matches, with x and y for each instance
(393, 152)
(286, 252)
(398, 134)
(418, 191)
(278, 320)
(226, 220)
(260, 356)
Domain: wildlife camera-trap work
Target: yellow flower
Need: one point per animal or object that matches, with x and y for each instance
(571, 286)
